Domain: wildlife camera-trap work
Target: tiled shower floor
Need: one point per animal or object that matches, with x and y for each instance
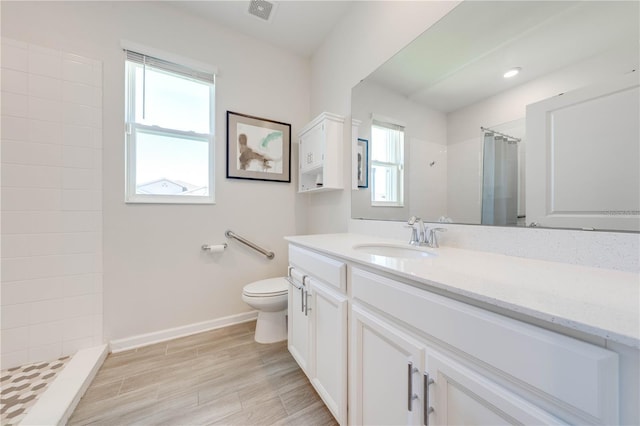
(21, 387)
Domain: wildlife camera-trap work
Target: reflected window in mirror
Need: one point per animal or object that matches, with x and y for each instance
(387, 164)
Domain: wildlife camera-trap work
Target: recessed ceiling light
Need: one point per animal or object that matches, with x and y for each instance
(512, 72)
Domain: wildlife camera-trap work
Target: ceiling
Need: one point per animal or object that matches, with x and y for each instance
(296, 26)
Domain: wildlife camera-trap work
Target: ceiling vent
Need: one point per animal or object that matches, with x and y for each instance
(261, 9)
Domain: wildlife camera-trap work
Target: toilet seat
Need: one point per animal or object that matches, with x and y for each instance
(266, 288)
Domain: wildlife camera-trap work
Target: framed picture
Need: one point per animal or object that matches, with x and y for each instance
(362, 161)
(258, 148)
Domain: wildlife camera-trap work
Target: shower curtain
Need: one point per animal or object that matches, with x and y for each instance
(499, 180)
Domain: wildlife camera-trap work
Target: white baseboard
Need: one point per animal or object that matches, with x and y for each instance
(56, 404)
(140, 340)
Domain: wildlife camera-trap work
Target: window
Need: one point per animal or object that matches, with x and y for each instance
(169, 132)
(387, 164)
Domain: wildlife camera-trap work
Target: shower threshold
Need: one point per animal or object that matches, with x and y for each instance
(60, 396)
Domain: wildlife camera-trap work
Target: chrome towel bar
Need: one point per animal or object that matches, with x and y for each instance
(267, 253)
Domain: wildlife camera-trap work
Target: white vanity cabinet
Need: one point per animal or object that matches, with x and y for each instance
(457, 394)
(319, 309)
(320, 154)
(414, 356)
(485, 368)
(329, 346)
(298, 329)
(398, 380)
(384, 370)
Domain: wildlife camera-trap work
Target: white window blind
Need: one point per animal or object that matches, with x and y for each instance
(171, 67)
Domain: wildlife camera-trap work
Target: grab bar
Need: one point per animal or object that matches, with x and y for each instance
(267, 253)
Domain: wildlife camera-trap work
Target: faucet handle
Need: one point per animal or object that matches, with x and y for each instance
(433, 236)
(414, 232)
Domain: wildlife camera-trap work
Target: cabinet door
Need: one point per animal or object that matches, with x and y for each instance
(385, 367)
(458, 395)
(329, 346)
(312, 148)
(298, 324)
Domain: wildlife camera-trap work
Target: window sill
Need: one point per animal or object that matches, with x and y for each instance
(168, 199)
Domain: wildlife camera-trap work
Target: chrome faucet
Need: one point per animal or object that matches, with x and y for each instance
(424, 236)
(432, 236)
(417, 238)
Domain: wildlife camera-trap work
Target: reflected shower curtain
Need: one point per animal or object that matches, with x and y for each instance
(499, 180)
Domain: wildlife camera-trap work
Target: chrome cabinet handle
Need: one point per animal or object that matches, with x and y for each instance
(426, 408)
(293, 283)
(306, 304)
(410, 395)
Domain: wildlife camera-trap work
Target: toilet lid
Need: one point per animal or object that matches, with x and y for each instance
(269, 287)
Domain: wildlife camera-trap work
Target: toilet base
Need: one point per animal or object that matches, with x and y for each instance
(271, 327)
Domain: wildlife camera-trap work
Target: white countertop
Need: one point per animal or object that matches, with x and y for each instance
(599, 302)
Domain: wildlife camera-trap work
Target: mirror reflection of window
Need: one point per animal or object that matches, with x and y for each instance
(387, 164)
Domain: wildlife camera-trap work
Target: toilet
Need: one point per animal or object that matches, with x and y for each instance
(269, 298)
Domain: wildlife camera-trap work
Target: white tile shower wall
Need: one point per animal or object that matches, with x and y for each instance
(51, 290)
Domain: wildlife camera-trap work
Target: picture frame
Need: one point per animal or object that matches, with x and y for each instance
(362, 163)
(258, 148)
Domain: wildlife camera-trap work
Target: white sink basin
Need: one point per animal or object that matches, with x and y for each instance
(394, 250)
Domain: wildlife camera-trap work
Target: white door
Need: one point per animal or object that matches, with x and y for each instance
(583, 158)
(298, 321)
(457, 395)
(329, 331)
(312, 148)
(385, 371)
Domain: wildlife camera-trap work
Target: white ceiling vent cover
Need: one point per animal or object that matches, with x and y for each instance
(261, 9)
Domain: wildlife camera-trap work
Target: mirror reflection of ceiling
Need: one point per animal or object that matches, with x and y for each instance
(442, 70)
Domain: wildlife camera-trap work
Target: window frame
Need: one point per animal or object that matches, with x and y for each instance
(399, 166)
(131, 128)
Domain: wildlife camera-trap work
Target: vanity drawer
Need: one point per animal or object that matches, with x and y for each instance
(578, 376)
(322, 267)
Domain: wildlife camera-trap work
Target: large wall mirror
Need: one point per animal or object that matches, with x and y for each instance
(441, 133)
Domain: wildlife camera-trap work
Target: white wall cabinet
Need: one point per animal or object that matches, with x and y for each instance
(318, 325)
(320, 154)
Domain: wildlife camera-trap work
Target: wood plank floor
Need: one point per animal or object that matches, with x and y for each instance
(217, 377)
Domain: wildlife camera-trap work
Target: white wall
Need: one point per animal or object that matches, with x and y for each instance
(155, 275)
(347, 56)
(464, 180)
(51, 203)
